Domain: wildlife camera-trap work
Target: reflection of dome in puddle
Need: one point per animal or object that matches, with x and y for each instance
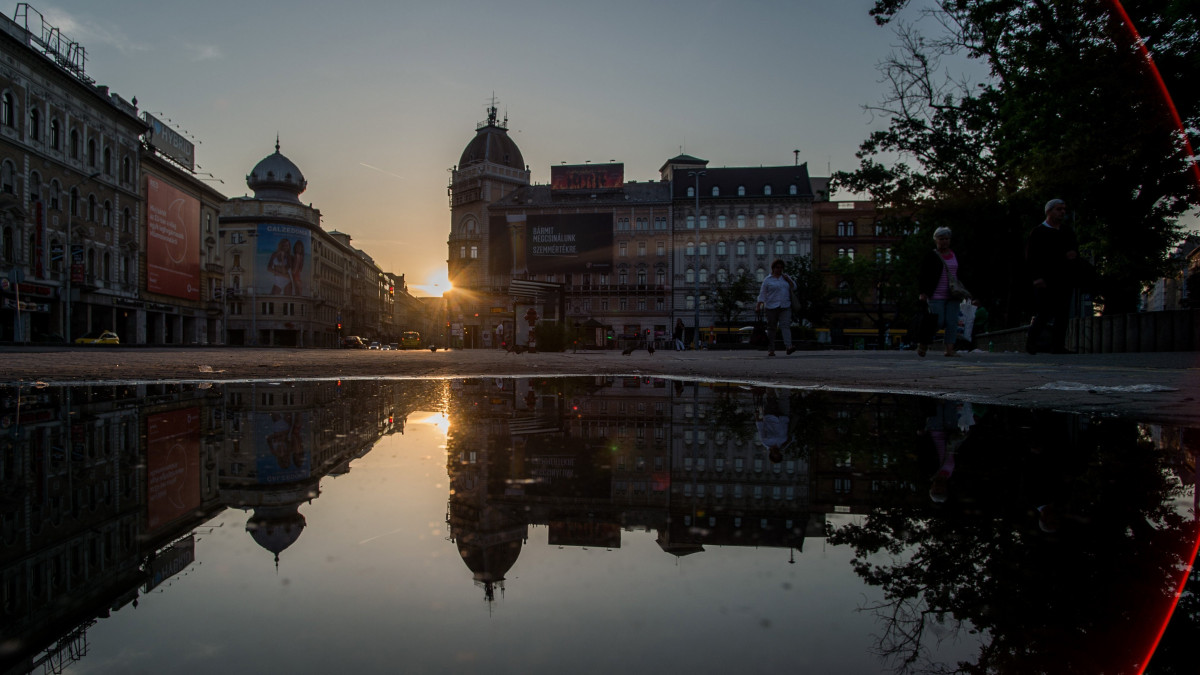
(275, 528)
(489, 563)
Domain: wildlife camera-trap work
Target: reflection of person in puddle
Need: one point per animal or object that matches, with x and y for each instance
(947, 429)
(772, 421)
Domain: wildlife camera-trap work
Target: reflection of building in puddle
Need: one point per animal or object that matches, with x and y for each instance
(102, 488)
(591, 457)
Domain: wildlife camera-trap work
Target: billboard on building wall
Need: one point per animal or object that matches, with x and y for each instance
(170, 143)
(562, 243)
(281, 260)
(500, 260)
(172, 466)
(587, 176)
(172, 241)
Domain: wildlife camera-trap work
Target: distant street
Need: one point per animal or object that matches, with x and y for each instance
(1151, 387)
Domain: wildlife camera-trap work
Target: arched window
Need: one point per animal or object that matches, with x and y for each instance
(691, 222)
(793, 249)
(841, 228)
(704, 222)
(741, 248)
(641, 276)
(741, 221)
(703, 248)
(691, 191)
(689, 248)
(35, 187)
(778, 220)
(721, 248)
(760, 274)
(767, 190)
(690, 275)
(91, 152)
(703, 275)
(779, 247)
(54, 194)
(760, 221)
(8, 177)
(850, 253)
(91, 206)
(91, 262)
(107, 222)
(127, 221)
(760, 247)
(623, 277)
(660, 276)
(689, 302)
(792, 220)
(74, 202)
(55, 135)
(125, 269)
(35, 124)
(722, 275)
(8, 245)
(8, 106)
(56, 263)
(741, 190)
(849, 228)
(716, 191)
(791, 189)
(107, 270)
(74, 144)
(721, 222)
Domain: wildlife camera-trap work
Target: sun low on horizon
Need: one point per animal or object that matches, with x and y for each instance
(435, 285)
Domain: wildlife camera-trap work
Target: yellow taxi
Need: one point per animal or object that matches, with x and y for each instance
(410, 340)
(103, 337)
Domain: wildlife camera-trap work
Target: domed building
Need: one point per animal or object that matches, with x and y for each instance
(491, 167)
(294, 284)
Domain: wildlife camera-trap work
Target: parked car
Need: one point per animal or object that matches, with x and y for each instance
(410, 340)
(373, 345)
(383, 346)
(353, 342)
(394, 346)
(101, 337)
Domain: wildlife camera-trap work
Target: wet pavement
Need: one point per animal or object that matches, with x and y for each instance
(1149, 386)
(535, 523)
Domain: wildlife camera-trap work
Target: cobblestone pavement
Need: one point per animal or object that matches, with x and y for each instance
(1152, 387)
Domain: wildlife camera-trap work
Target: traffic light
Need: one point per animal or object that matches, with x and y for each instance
(339, 326)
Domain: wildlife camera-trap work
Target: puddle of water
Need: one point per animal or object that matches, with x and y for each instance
(537, 524)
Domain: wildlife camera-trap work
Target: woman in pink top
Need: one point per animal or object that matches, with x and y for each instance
(933, 283)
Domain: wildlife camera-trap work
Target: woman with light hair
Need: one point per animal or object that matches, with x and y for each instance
(938, 268)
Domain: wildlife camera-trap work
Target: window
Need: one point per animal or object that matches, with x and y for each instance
(792, 220)
(703, 248)
(623, 278)
(660, 247)
(721, 249)
(108, 161)
(55, 136)
(35, 124)
(643, 224)
(690, 275)
(691, 191)
(779, 247)
(641, 277)
(760, 247)
(74, 144)
(703, 275)
(767, 190)
(741, 248)
(793, 249)
(108, 213)
(74, 202)
(126, 170)
(91, 213)
(722, 275)
(741, 221)
(716, 191)
(35, 187)
(760, 221)
(623, 249)
(91, 152)
(661, 223)
(474, 251)
(760, 274)
(462, 251)
(689, 248)
(641, 248)
(9, 251)
(779, 220)
(841, 228)
(7, 109)
(54, 194)
(660, 276)
(741, 190)
(691, 222)
(791, 189)
(689, 302)
(704, 222)
(622, 224)
(8, 178)
(721, 222)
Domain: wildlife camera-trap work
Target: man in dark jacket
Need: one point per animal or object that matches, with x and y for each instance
(1051, 253)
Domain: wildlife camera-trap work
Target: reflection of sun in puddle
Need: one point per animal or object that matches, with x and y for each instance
(437, 420)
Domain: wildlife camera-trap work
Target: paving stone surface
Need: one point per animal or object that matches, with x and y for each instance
(1159, 387)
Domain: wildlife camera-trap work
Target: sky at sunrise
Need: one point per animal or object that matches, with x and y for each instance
(375, 100)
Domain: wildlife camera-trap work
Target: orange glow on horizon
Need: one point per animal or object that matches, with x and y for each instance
(436, 285)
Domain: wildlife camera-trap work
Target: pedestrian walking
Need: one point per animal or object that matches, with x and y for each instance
(677, 335)
(942, 293)
(1051, 252)
(775, 297)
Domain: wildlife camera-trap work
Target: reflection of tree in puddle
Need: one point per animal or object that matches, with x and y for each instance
(1057, 543)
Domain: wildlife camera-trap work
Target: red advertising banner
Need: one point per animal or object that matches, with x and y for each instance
(172, 466)
(172, 241)
(587, 176)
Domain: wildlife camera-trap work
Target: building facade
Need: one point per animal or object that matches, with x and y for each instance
(69, 190)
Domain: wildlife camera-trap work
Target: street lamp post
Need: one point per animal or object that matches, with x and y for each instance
(71, 254)
(696, 272)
